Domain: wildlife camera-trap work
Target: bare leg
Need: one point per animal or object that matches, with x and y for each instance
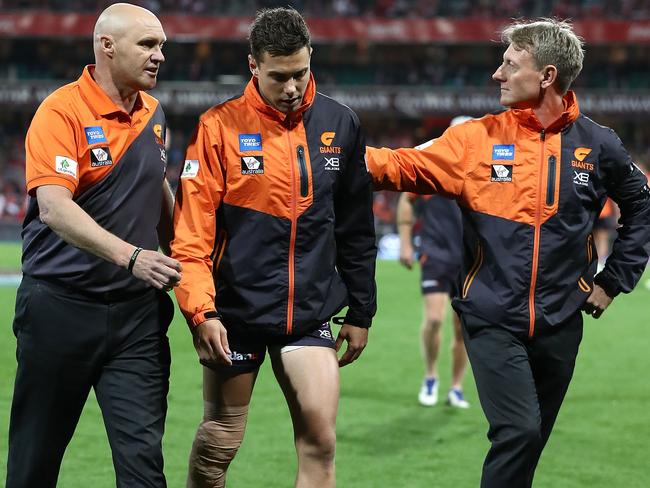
(309, 378)
(459, 355)
(431, 333)
(226, 399)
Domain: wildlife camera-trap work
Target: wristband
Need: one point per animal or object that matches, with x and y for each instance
(134, 256)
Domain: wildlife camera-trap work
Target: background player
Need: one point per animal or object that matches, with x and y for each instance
(440, 254)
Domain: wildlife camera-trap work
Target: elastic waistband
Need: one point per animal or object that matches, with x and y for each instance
(110, 296)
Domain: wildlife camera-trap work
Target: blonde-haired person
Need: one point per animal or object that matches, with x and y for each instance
(530, 182)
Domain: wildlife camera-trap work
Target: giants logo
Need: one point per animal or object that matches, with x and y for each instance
(579, 162)
(326, 139)
(157, 130)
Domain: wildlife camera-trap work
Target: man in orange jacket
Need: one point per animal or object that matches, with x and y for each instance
(274, 228)
(530, 182)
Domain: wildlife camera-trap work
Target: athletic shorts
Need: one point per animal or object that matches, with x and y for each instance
(249, 349)
(438, 277)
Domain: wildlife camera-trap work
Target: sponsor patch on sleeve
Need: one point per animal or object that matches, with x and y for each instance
(503, 151)
(95, 134)
(250, 142)
(66, 166)
(190, 169)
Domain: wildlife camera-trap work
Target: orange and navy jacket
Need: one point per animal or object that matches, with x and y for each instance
(114, 165)
(529, 198)
(273, 220)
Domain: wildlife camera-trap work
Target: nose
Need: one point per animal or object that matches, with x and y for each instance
(158, 56)
(498, 75)
(290, 88)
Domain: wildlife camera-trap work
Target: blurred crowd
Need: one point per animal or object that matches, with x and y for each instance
(612, 67)
(620, 9)
(12, 167)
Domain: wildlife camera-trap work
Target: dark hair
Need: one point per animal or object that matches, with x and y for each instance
(279, 32)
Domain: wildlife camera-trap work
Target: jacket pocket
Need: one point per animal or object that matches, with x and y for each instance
(582, 283)
(550, 182)
(478, 262)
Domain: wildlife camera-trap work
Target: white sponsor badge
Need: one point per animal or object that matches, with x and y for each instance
(66, 166)
(190, 169)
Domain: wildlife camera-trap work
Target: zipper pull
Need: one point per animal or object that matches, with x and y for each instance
(542, 135)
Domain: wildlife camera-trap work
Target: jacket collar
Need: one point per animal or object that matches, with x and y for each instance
(97, 98)
(254, 98)
(527, 117)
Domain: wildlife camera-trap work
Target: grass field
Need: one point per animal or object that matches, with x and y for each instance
(385, 439)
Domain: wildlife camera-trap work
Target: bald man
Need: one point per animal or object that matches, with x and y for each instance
(92, 309)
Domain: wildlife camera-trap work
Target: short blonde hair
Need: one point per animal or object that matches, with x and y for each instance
(549, 41)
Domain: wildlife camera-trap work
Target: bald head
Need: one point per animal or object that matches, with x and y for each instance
(120, 19)
(128, 42)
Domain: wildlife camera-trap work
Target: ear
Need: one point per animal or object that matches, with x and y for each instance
(549, 75)
(252, 66)
(107, 45)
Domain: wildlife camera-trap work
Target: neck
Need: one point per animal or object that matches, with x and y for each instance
(550, 108)
(122, 96)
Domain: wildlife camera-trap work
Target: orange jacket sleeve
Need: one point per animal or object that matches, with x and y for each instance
(437, 166)
(199, 194)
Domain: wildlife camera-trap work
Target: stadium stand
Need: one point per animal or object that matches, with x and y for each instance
(406, 66)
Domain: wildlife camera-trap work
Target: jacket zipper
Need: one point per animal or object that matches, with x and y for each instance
(292, 238)
(538, 219)
(550, 184)
(302, 166)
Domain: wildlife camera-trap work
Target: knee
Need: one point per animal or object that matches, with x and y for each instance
(215, 446)
(525, 435)
(318, 444)
(432, 323)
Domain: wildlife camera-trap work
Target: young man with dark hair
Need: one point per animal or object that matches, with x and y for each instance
(274, 228)
(530, 182)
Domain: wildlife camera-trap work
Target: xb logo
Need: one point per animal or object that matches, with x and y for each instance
(332, 164)
(325, 334)
(327, 137)
(580, 178)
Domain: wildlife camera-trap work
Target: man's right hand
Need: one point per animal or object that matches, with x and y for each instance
(158, 270)
(406, 255)
(211, 342)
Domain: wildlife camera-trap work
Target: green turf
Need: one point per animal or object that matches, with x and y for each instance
(9, 256)
(385, 439)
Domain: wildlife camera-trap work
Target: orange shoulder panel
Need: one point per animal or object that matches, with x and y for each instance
(58, 146)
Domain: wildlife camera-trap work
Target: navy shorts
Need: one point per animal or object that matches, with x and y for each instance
(438, 277)
(249, 349)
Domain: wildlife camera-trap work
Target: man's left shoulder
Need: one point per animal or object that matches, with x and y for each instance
(600, 131)
(326, 106)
